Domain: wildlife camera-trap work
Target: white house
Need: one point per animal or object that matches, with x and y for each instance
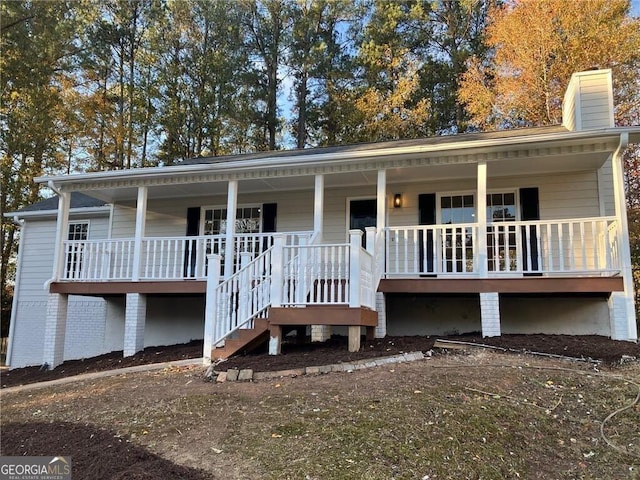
(520, 231)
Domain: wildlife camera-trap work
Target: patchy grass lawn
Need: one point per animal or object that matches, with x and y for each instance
(448, 417)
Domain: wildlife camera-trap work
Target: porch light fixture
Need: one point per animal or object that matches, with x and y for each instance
(397, 200)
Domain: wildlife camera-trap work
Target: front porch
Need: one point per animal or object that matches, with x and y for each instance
(291, 279)
(534, 216)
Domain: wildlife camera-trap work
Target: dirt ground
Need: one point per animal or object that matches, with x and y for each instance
(481, 414)
(333, 351)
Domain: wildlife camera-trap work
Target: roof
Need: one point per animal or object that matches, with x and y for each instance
(364, 147)
(274, 170)
(78, 200)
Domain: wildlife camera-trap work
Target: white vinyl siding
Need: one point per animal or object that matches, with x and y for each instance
(605, 188)
(568, 195)
(595, 103)
(166, 218)
(37, 258)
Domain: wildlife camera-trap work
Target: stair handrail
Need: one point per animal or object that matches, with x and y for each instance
(241, 298)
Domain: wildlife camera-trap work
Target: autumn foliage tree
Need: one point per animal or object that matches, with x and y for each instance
(536, 45)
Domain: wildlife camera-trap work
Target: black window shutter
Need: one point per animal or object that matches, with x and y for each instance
(193, 230)
(269, 217)
(193, 221)
(426, 216)
(529, 204)
(529, 211)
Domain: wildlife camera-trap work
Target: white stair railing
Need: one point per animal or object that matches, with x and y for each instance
(241, 298)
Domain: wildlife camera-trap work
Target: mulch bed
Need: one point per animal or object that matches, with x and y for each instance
(109, 361)
(333, 351)
(95, 453)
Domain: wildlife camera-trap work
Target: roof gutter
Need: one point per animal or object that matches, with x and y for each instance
(49, 213)
(53, 187)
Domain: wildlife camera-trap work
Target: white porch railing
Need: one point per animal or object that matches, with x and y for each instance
(315, 274)
(431, 249)
(329, 274)
(366, 274)
(585, 246)
(320, 273)
(163, 258)
(98, 260)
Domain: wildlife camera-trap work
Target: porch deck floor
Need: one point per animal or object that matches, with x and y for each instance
(572, 285)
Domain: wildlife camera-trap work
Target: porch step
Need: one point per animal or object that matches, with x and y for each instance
(333, 315)
(248, 339)
(323, 315)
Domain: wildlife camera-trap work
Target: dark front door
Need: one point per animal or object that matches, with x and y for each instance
(426, 216)
(362, 214)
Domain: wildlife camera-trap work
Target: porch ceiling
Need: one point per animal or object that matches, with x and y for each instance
(464, 170)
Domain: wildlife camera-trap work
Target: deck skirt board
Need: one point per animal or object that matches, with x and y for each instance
(503, 285)
(115, 288)
(323, 315)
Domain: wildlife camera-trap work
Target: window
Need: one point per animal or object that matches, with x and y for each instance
(457, 241)
(501, 207)
(248, 220)
(457, 209)
(78, 233)
(501, 239)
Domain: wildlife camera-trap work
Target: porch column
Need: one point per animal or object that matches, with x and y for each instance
(380, 252)
(318, 206)
(381, 197)
(381, 308)
(481, 247)
(622, 314)
(490, 314)
(141, 218)
(135, 315)
(319, 333)
(229, 250)
(210, 310)
(62, 234)
(55, 329)
(355, 241)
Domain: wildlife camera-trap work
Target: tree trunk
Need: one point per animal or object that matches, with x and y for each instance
(302, 109)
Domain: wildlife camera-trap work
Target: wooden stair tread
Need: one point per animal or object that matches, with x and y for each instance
(247, 338)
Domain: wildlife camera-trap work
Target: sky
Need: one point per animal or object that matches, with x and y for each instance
(635, 8)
